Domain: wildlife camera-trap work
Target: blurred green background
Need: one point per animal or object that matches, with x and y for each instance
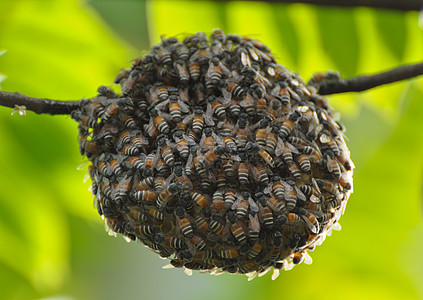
(52, 242)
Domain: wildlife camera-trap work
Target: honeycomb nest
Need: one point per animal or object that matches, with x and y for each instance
(216, 157)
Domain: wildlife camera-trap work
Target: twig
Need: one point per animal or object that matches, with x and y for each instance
(39, 106)
(403, 5)
(362, 83)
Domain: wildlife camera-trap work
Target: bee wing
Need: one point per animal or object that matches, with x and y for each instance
(279, 147)
(226, 94)
(314, 228)
(189, 140)
(235, 157)
(203, 137)
(329, 163)
(208, 116)
(300, 194)
(315, 185)
(235, 204)
(254, 223)
(183, 95)
(253, 205)
(268, 189)
(286, 186)
(160, 105)
(184, 107)
(188, 119)
(225, 70)
(292, 148)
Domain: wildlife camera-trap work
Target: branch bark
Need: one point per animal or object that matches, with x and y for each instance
(403, 5)
(366, 82)
(39, 106)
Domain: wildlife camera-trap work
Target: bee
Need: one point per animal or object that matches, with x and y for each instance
(228, 167)
(194, 70)
(295, 171)
(276, 205)
(228, 253)
(239, 232)
(241, 208)
(290, 197)
(200, 199)
(166, 152)
(198, 242)
(261, 106)
(145, 184)
(106, 189)
(202, 224)
(266, 157)
(218, 35)
(110, 111)
(333, 203)
(255, 249)
(182, 51)
(145, 195)
(230, 196)
(174, 242)
(183, 73)
(266, 216)
(137, 215)
(122, 189)
(293, 219)
(84, 120)
(326, 185)
(166, 195)
(236, 90)
(312, 223)
(314, 130)
(87, 146)
(129, 122)
(313, 154)
(304, 162)
(248, 104)
(156, 214)
(227, 128)
(144, 230)
(159, 122)
(218, 202)
(162, 54)
(286, 129)
(243, 173)
(103, 168)
(136, 162)
(211, 156)
(214, 72)
(261, 137)
(176, 108)
(217, 107)
(208, 139)
(130, 150)
(216, 227)
(220, 179)
(333, 166)
(254, 227)
(186, 228)
(159, 183)
(261, 175)
(272, 140)
(108, 132)
(181, 144)
(278, 189)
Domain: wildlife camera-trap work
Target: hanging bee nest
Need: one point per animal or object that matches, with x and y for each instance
(216, 157)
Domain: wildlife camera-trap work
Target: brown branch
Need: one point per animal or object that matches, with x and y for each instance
(403, 5)
(362, 83)
(39, 106)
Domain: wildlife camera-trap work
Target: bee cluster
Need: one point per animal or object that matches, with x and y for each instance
(216, 157)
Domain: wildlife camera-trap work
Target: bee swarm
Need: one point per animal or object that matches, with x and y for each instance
(216, 157)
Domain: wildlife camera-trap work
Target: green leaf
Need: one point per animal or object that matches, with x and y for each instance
(337, 30)
(392, 28)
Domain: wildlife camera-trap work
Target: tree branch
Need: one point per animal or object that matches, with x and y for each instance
(362, 83)
(39, 106)
(404, 5)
